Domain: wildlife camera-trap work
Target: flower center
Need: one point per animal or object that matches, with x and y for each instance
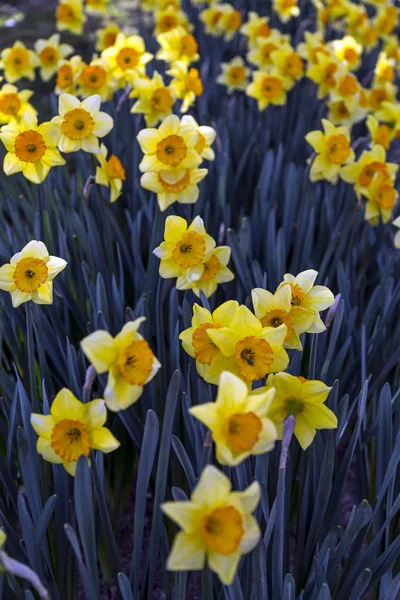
(263, 30)
(10, 104)
(162, 100)
(387, 73)
(236, 75)
(211, 268)
(167, 23)
(241, 431)
(271, 87)
(78, 124)
(128, 58)
(174, 182)
(329, 77)
(29, 146)
(276, 318)
(222, 530)
(382, 135)
(114, 168)
(109, 38)
(338, 148)
(64, 77)
(190, 250)
(171, 150)
(368, 172)
(30, 273)
(234, 21)
(288, 3)
(135, 362)
(93, 77)
(298, 295)
(70, 439)
(377, 97)
(189, 46)
(348, 85)
(386, 197)
(204, 348)
(48, 56)
(201, 142)
(193, 82)
(266, 51)
(294, 65)
(65, 13)
(350, 55)
(294, 406)
(253, 357)
(19, 58)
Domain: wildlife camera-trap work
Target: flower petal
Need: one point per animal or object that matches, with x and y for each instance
(66, 406)
(187, 553)
(100, 349)
(103, 439)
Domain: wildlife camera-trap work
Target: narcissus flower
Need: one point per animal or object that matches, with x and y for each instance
(380, 97)
(215, 271)
(325, 72)
(211, 17)
(70, 16)
(178, 44)
(303, 399)
(18, 62)
(255, 27)
(168, 19)
(82, 123)
(312, 47)
(268, 87)
(289, 63)
(67, 74)
(238, 420)
(31, 148)
(155, 99)
(307, 295)
(206, 137)
(71, 430)
(396, 223)
(234, 75)
(50, 52)
(14, 103)
(96, 78)
(97, 6)
(30, 274)
(186, 84)
(216, 524)
(380, 133)
(381, 198)
(230, 21)
(348, 50)
(333, 151)
(127, 57)
(260, 54)
(176, 185)
(286, 9)
(362, 172)
(106, 37)
(111, 173)
(128, 359)
(385, 69)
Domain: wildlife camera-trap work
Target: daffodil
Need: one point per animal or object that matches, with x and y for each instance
(184, 248)
(238, 420)
(128, 359)
(349, 51)
(50, 52)
(30, 274)
(96, 78)
(261, 54)
(97, 6)
(303, 399)
(362, 172)
(333, 151)
(230, 21)
(70, 16)
(286, 9)
(380, 96)
(127, 57)
(312, 47)
(325, 72)
(106, 37)
(345, 112)
(176, 185)
(385, 69)
(367, 36)
(396, 223)
(82, 123)
(31, 148)
(386, 19)
(214, 272)
(178, 44)
(67, 75)
(110, 173)
(309, 296)
(381, 198)
(391, 47)
(380, 133)
(71, 430)
(216, 524)
(18, 62)
(211, 17)
(234, 75)
(186, 84)
(206, 137)
(155, 99)
(268, 87)
(196, 341)
(14, 103)
(276, 309)
(255, 27)
(168, 19)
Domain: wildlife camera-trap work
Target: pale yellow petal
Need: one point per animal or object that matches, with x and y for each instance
(100, 349)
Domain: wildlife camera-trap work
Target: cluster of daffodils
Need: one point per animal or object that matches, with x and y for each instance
(190, 255)
(172, 155)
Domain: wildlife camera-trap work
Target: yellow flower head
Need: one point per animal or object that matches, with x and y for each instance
(196, 341)
(303, 399)
(31, 148)
(13, 104)
(30, 274)
(312, 47)
(186, 84)
(71, 430)
(345, 111)
(178, 45)
(386, 20)
(289, 63)
(50, 52)
(128, 359)
(96, 78)
(70, 16)
(82, 123)
(67, 74)
(216, 524)
(385, 69)
(170, 18)
(255, 27)
(396, 223)
(214, 272)
(286, 9)
(268, 87)
(18, 62)
(229, 22)
(260, 54)
(211, 17)
(379, 97)
(234, 75)
(306, 295)
(362, 172)
(111, 173)
(176, 185)
(391, 47)
(367, 36)
(127, 57)
(107, 36)
(333, 151)
(381, 198)
(325, 72)
(155, 99)
(380, 133)
(206, 137)
(98, 7)
(349, 51)
(238, 420)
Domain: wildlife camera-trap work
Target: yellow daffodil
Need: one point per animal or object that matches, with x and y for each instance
(333, 151)
(70, 16)
(206, 137)
(268, 87)
(385, 69)
(289, 63)
(184, 248)
(211, 17)
(96, 78)
(362, 172)
(186, 84)
(391, 47)
(178, 44)
(386, 20)
(30, 274)
(111, 173)
(309, 296)
(155, 99)
(238, 420)
(356, 18)
(196, 341)
(380, 133)
(255, 27)
(276, 309)
(18, 62)
(389, 113)
(381, 95)
(349, 51)
(381, 198)
(286, 9)
(98, 7)
(214, 272)
(216, 524)
(128, 359)
(234, 75)
(14, 103)
(303, 399)
(312, 47)
(396, 223)
(31, 148)
(367, 36)
(325, 72)
(176, 185)
(106, 37)
(50, 52)
(229, 22)
(67, 74)
(260, 54)
(71, 430)
(82, 123)
(127, 57)
(168, 19)
(345, 112)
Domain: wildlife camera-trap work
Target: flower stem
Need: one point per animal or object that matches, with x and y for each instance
(288, 428)
(31, 358)
(87, 386)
